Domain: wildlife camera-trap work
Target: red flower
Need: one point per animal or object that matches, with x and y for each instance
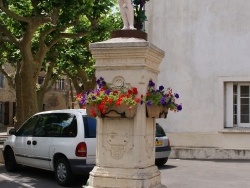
(93, 112)
(128, 96)
(79, 95)
(118, 103)
(101, 108)
(137, 100)
(135, 91)
(122, 96)
(110, 101)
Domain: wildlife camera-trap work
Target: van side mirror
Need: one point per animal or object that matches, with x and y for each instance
(12, 131)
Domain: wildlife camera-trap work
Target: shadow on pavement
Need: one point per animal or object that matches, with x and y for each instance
(166, 167)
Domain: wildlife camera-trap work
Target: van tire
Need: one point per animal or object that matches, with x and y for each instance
(63, 173)
(10, 161)
(160, 162)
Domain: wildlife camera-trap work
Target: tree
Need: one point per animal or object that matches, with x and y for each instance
(75, 58)
(29, 32)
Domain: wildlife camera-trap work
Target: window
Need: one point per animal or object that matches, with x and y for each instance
(1, 80)
(56, 125)
(89, 127)
(238, 105)
(159, 131)
(28, 127)
(60, 84)
(1, 112)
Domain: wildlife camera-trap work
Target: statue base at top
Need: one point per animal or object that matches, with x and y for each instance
(129, 34)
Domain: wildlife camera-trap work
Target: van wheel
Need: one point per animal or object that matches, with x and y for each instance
(161, 162)
(10, 161)
(63, 172)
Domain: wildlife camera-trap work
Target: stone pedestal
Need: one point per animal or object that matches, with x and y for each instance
(126, 147)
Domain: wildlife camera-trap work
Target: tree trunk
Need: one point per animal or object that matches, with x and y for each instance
(28, 93)
(40, 98)
(19, 111)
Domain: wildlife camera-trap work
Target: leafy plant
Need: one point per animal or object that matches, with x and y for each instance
(161, 97)
(139, 13)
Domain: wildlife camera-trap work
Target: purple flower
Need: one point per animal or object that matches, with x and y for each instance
(107, 92)
(93, 98)
(101, 82)
(179, 107)
(98, 81)
(83, 101)
(151, 83)
(149, 103)
(163, 101)
(176, 95)
(161, 88)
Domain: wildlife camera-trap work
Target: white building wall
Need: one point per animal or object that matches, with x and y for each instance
(206, 43)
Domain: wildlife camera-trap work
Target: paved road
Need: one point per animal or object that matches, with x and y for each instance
(175, 174)
(206, 174)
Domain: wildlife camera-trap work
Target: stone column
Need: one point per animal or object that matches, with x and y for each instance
(126, 147)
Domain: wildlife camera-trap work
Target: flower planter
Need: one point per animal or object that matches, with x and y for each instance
(155, 111)
(122, 111)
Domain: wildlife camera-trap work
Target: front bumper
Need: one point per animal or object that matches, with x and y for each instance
(162, 152)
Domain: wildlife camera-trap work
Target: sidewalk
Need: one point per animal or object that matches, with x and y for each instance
(3, 136)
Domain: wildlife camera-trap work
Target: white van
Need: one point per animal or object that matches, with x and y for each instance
(63, 141)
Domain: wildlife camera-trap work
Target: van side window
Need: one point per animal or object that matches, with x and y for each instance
(71, 129)
(89, 127)
(56, 125)
(28, 127)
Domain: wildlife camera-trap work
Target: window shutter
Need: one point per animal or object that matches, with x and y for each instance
(229, 105)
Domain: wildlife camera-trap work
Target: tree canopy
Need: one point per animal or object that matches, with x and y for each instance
(53, 36)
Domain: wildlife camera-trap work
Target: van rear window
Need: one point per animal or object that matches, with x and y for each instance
(90, 127)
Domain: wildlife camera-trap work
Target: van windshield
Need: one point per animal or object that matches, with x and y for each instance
(89, 127)
(159, 131)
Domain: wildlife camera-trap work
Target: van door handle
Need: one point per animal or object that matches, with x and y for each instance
(28, 142)
(34, 142)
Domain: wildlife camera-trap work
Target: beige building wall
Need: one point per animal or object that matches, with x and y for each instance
(7, 99)
(54, 99)
(206, 45)
(7, 93)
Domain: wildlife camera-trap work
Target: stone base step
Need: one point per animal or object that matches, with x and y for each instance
(208, 153)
